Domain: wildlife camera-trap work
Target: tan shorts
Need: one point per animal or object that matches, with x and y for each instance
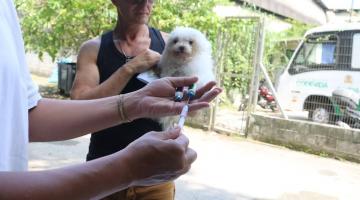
(165, 191)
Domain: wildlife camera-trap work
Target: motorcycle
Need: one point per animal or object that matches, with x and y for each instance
(266, 100)
(348, 103)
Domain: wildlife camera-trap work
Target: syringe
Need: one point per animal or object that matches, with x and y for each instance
(185, 110)
(183, 114)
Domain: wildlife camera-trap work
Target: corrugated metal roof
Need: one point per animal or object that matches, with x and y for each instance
(302, 10)
(311, 11)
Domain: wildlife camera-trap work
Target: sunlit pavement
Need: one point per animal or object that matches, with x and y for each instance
(230, 168)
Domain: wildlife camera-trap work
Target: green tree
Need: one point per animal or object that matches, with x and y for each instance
(198, 14)
(58, 27)
(236, 43)
(277, 53)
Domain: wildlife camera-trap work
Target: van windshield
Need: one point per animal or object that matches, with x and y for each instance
(318, 52)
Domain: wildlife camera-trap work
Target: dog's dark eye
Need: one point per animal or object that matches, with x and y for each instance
(191, 42)
(175, 40)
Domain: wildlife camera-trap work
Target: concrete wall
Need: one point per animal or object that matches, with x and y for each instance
(308, 136)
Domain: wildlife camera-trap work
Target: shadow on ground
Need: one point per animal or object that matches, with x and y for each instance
(190, 191)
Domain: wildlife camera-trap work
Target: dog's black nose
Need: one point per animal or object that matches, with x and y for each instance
(181, 48)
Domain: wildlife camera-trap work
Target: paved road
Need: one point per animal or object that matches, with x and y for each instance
(236, 169)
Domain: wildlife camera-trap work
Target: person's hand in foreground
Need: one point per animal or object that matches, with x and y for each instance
(158, 157)
(157, 98)
(154, 158)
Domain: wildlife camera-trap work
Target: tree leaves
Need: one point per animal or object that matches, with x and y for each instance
(59, 27)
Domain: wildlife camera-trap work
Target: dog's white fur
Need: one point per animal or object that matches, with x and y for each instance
(187, 53)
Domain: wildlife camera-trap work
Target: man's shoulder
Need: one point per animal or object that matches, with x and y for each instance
(92, 43)
(90, 48)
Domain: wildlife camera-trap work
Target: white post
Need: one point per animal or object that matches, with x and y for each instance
(263, 69)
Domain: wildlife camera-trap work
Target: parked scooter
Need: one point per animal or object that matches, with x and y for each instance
(348, 103)
(265, 98)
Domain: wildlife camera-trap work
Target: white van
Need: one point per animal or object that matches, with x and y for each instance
(327, 59)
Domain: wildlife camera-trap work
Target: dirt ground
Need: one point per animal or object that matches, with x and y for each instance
(233, 168)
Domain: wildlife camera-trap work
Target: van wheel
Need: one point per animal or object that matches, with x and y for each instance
(320, 115)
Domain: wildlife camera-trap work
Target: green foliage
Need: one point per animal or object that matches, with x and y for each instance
(236, 42)
(59, 27)
(277, 53)
(168, 14)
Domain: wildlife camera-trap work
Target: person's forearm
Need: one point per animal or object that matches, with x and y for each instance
(91, 180)
(110, 87)
(54, 120)
(65, 119)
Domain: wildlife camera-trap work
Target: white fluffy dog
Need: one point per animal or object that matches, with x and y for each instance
(187, 53)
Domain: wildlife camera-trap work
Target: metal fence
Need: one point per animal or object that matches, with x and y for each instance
(235, 58)
(321, 82)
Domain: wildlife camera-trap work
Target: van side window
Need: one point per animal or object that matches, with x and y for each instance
(318, 52)
(355, 62)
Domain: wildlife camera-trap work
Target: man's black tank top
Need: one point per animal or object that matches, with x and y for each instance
(113, 139)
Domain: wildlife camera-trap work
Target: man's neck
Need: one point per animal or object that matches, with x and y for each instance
(130, 32)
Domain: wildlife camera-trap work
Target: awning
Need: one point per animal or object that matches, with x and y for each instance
(306, 11)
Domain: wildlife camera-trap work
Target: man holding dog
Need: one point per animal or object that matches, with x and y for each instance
(108, 65)
(154, 158)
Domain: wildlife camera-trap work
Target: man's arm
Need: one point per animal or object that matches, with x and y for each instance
(86, 84)
(154, 158)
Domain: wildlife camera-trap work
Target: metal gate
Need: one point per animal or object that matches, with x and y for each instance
(235, 55)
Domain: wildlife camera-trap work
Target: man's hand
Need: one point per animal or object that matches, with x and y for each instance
(158, 157)
(143, 62)
(157, 98)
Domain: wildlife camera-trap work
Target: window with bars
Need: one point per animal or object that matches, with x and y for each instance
(328, 51)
